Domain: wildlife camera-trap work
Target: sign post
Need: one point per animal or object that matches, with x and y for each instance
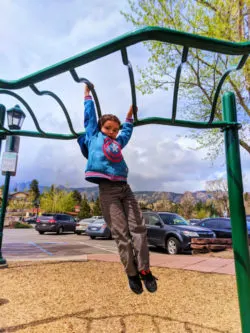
(9, 164)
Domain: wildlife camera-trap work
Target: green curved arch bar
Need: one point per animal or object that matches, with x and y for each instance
(120, 43)
(128, 39)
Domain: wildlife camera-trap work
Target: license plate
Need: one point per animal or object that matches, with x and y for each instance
(93, 228)
(44, 225)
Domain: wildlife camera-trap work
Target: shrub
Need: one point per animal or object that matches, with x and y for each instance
(19, 225)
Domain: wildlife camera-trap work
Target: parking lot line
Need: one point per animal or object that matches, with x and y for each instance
(98, 247)
(42, 249)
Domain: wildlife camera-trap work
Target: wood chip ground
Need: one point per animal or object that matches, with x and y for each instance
(93, 297)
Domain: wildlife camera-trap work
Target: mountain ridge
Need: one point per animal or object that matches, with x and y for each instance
(92, 193)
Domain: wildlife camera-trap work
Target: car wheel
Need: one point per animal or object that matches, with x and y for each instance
(172, 245)
(41, 232)
(78, 232)
(92, 237)
(60, 231)
(110, 236)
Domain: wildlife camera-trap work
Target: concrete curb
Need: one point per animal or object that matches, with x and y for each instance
(55, 259)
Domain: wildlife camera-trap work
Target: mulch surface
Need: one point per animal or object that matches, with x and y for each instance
(94, 297)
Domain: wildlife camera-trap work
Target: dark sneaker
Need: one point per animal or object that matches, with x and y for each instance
(135, 284)
(149, 280)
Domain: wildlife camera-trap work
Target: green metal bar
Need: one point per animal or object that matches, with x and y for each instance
(237, 211)
(2, 118)
(59, 101)
(116, 44)
(91, 87)
(185, 123)
(223, 78)
(44, 135)
(146, 121)
(127, 63)
(177, 81)
(26, 105)
(2, 216)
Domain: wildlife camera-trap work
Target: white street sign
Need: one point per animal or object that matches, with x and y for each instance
(9, 163)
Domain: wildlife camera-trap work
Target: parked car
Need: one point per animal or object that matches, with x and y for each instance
(82, 225)
(172, 232)
(30, 220)
(55, 223)
(194, 221)
(98, 228)
(221, 226)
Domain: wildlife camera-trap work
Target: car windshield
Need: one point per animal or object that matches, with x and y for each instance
(99, 221)
(173, 219)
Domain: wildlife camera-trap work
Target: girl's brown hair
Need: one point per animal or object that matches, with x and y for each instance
(102, 120)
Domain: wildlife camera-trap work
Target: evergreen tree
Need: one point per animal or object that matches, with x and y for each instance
(97, 208)
(34, 192)
(85, 210)
(77, 197)
(35, 188)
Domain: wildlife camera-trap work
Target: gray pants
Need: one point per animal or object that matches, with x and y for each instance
(123, 215)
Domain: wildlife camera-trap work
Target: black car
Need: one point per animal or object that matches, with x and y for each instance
(221, 226)
(55, 223)
(172, 232)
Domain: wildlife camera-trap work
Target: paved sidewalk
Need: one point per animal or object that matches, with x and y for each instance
(187, 262)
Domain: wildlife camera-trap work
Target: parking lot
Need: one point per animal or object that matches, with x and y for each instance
(28, 242)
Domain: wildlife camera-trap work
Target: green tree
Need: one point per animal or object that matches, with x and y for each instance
(20, 205)
(34, 189)
(96, 210)
(85, 210)
(57, 201)
(34, 193)
(77, 197)
(221, 19)
(202, 213)
(213, 209)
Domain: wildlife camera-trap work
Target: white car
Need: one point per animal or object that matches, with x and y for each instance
(82, 225)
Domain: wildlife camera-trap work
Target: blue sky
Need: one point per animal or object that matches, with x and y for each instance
(37, 34)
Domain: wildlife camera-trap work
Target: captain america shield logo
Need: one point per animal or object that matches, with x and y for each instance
(112, 150)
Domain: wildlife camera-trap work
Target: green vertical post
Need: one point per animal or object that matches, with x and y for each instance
(2, 118)
(237, 211)
(2, 216)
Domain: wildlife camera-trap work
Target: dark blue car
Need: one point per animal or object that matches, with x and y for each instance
(221, 226)
(172, 232)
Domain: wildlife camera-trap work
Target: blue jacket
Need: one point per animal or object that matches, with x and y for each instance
(105, 160)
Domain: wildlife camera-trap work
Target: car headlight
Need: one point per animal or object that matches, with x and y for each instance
(190, 233)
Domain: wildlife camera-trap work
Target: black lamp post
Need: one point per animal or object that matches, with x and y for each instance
(15, 120)
(15, 117)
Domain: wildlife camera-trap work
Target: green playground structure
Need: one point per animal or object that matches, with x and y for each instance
(229, 124)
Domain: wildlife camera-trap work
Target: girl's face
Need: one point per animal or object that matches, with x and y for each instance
(110, 128)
